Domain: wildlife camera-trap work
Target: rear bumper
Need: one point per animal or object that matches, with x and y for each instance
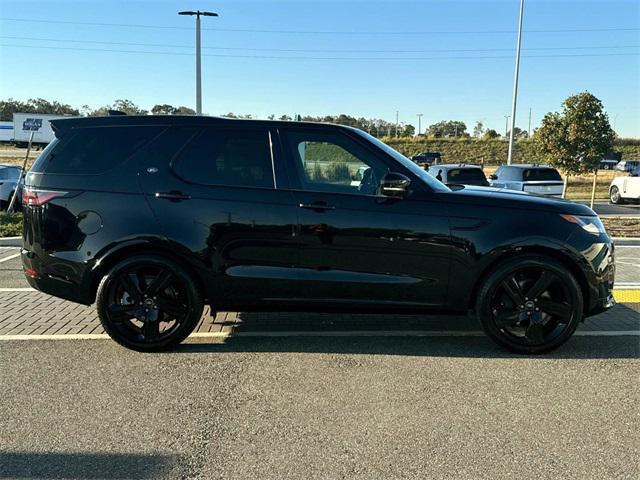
(56, 277)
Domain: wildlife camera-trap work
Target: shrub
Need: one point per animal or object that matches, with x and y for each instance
(338, 172)
(10, 224)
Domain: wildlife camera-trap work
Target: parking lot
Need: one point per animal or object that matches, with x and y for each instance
(314, 396)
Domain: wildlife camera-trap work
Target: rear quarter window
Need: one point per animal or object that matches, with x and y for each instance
(541, 174)
(91, 151)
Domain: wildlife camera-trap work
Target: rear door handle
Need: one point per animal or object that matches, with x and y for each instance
(318, 206)
(172, 195)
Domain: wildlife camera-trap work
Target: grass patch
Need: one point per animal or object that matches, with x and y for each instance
(622, 226)
(10, 224)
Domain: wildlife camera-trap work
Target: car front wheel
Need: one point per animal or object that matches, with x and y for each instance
(148, 303)
(530, 304)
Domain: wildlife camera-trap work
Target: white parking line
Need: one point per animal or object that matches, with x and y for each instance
(10, 257)
(401, 333)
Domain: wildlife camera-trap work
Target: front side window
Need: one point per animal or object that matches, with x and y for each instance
(331, 162)
(227, 157)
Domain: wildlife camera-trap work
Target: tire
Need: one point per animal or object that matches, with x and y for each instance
(148, 303)
(614, 196)
(530, 304)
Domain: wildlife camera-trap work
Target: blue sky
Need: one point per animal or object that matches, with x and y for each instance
(411, 56)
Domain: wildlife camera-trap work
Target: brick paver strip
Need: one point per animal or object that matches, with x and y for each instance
(34, 313)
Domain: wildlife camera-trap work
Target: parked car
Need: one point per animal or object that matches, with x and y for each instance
(9, 178)
(623, 189)
(608, 164)
(428, 158)
(530, 178)
(459, 174)
(628, 165)
(153, 217)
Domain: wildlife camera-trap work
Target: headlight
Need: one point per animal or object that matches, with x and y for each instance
(591, 224)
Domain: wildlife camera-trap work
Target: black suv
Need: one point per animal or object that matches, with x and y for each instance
(153, 217)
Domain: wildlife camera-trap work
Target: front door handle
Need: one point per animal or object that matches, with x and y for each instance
(318, 206)
(173, 195)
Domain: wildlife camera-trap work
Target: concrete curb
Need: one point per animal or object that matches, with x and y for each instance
(627, 241)
(11, 242)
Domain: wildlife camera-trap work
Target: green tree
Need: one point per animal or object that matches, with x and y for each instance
(448, 128)
(121, 105)
(478, 129)
(518, 133)
(34, 105)
(576, 139)
(490, 134)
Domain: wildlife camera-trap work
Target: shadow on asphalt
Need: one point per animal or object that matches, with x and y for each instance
(463, 347)
(83, 465)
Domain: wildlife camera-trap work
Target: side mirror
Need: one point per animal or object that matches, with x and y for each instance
(394, 185)
(493, 176)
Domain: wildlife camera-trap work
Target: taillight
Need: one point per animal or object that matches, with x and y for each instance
(35, 197)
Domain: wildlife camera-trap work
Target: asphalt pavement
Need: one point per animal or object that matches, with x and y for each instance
(605, 208)
(320, 408)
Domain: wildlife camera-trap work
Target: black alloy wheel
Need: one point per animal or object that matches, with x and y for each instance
(530, 304)
(148, 303)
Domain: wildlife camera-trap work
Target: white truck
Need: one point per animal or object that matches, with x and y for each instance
(38, 123)
(6, 131)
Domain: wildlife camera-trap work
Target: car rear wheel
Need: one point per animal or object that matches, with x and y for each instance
(531, 304)
(148, 303)
(614, 195)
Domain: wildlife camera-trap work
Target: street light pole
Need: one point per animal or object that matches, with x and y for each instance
(515, 85)
(198, 14)
(506, 124)
(419, 115)
(397, 112)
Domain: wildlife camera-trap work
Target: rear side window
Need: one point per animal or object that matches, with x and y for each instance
(229, 157)
(465, 174)
(540, 174)
(90, 151)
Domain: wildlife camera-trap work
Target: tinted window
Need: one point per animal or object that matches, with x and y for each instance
(540, 174)
(332, 162)
(461, 175)
(94, 150)
(231, 157)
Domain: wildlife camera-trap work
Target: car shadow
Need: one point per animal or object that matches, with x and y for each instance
(477, 346)
(49, 465)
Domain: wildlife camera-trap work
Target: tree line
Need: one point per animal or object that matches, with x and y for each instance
(375, 126)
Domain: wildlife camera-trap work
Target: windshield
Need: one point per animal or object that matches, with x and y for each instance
(541, 174)
(408, 164)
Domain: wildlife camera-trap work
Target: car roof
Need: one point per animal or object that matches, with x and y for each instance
(63, 124)
(455, 165)
(527, 165)
(9, 165)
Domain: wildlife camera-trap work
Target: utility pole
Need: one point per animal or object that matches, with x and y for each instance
(506, 125)
(529, 129)
(515, 85)
(198, 14)
(397, 123)
(419, 115)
